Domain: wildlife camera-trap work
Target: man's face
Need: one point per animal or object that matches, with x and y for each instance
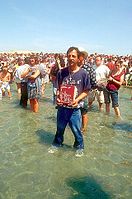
(32, 61)
(20, 62)
(5, 67)
(98, 61)
(81, 59)
(72, 58)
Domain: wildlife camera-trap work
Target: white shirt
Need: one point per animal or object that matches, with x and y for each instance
(19, 71)
(102, 72)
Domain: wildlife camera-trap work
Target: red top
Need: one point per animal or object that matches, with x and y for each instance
(111, 66)
(112, 86)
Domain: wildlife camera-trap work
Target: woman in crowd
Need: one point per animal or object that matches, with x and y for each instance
(115, 80)
(33, 84)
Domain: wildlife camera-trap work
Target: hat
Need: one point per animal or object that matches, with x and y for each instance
(83, 51)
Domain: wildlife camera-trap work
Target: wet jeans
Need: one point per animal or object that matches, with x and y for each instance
(73, 118)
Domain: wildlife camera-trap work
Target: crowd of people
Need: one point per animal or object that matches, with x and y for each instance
(88, 77)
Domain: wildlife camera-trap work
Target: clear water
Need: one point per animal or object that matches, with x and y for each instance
(28, 171)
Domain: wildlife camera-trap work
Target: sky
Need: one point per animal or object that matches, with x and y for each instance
(101, 26)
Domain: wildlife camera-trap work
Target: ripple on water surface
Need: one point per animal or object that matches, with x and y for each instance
(27, 170)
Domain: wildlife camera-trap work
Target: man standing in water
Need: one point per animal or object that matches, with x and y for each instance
(102, 73)
(5, 78)
(92, 75)
(77, 80)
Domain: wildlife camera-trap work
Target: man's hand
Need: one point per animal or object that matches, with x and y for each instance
(110, 79)
(75, 103)
(58, 101)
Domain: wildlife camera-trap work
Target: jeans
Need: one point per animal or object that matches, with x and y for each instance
(111, 96)
(73, 118)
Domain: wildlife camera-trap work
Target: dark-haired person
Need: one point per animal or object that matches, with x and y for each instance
(58, 64)
(33, 83)
(115, 80)
(23, 82)
(5, 78)
(92, 75)
(68, 112)
(20, 62)
(102, 72)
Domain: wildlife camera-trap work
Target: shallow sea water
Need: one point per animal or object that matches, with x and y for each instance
(28, 171)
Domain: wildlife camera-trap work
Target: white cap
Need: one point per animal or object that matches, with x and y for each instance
(82, 50)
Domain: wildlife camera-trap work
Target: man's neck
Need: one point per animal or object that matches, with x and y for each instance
(73, 69)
